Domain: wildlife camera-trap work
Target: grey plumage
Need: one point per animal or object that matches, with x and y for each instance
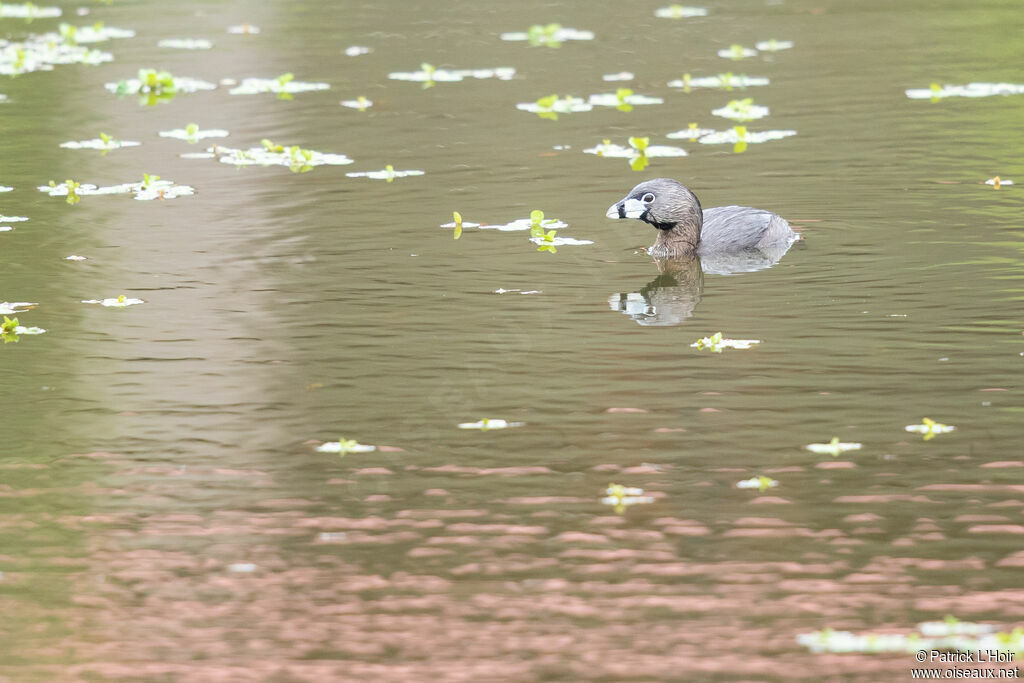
(720, 233)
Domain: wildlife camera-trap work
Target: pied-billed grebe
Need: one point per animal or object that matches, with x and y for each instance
(684, 229)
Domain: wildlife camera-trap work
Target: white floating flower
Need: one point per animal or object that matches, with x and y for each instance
(99, 143)
(75, 257)
(44, 52)
(691, 133)
(740, 134)
(279, 86)
(737, 52)
(970, 90)
(716, 343)
(162, 189)
(11, 307)
(5, 188)
(526, 224)
(13, 219)
(929, 428)
(833, 447)
(277, 155)
(553, 105)
(430, 75)
(28, 10)
(761, 483)
(242, 567)
(742, 110)
(191, 134)
(621, 497)
(615, 100)
(501, 290)
(21, 329)
(680, 12)
(773, 45)
(387, 174)
(360, 103)
(185, 44)
(621, 76)
(490, 423)
(344, 446)
(607, 149)
(560, 241)
(117, 302)
(356, 50)
(721, 81)
(93, 34)
(244, 29)
(548, 35)
(465, 224)
(997, 182)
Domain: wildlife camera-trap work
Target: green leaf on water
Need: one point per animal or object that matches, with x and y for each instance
(458, 224)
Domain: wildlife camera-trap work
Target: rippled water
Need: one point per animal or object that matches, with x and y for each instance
(164, 513)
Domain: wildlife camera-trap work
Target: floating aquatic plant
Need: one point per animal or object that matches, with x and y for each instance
(12, 219)
(11, 329)
(360, 103)
(151, 187)
(621, 76)
(737, 52)
(157, 86)
(501, 290)
(388, 174)
(356, 50)
(429, 74)
(486, 424)
(761, 483)
(620, 497)
(44, 52)
(639, 151)
(773, 45)
(5, 188)
(458, 224)
(623, 99)
(692, 132)
(548, 35)
(929, 428)
(727, 81)
(97, 33)
(998, 182)
(345, 446)
(716, 343)
(121, 301)
(938, 92)
(551, 106)
(244, 29)
(185, 44)
(284, 86)
(270, 154)
(104, 142)
(742, 110)
(833, 447)
(12, 307)
(680, 12)
(28, 11)
(740, 137)
(548, 241)
(192, 133)
(75, 257)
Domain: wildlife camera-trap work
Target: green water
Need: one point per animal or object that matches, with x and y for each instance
(161, 501)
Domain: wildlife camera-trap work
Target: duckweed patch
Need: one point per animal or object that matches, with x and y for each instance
(716, 343)
(345, 446)
(192, 133)
(833, 447)
(548, 35)
(620, 497)
(938, 92)
(929, 428)
(680, 12)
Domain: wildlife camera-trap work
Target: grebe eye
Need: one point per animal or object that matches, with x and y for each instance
(647, 198)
